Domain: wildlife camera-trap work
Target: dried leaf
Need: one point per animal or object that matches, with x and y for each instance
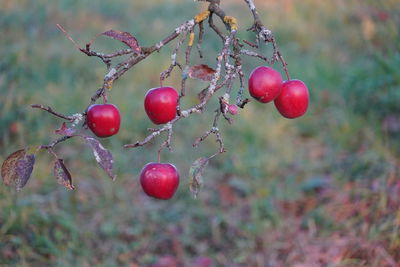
(124, 37)
(196, 175)
(62, 174)
(17, 168)
(201, 72)
(64, 130)
(102, 155)
(202, 94)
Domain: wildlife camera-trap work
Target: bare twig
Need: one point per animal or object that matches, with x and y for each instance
(167, 127)
(56, 142)
(200, 40)
(250, 44)
(215, 28)
(266, 35)
(68, 36)
(51, 111)
(254, 54)
(165, 74)
(214, 130)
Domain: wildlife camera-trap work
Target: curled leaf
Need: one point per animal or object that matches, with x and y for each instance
(196, 175)
(201, 72)
(124, 37)
(17, 168)
(102, 155)
(62, 174)
(64, 130)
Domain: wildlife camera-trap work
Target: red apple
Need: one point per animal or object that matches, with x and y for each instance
(293, 100)
(160, 104)
(159, 180)
(265, 84)
(103, 119)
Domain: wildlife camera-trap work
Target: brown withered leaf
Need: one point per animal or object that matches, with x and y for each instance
(102, 155)
(62, 174)
(202, 94)
(64, 130)
(17, 168)
(196, 175)
(124, 37)
(201, 72)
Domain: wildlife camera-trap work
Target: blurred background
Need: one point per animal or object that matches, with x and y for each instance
(322, 190)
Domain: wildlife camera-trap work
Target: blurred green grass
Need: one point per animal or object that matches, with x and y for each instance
(346, 145)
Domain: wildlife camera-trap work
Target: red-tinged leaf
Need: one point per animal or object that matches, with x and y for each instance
(196, 175)
(201, 72)
(124, 37)
(64, 130)
(102, 155)
(17, 168)
(62, 174)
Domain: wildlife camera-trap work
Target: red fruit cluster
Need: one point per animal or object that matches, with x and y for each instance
(158, 180)
(290, 97)
(161, 180)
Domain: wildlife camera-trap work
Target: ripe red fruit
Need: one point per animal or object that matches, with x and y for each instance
(159, 180)
(160, 104)
(293, 100)
(265, 84)
(233, 109)
(103, 119)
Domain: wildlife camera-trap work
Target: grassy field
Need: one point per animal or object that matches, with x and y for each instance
(322, 190)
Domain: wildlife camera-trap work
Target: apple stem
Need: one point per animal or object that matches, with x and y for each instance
(159, 155)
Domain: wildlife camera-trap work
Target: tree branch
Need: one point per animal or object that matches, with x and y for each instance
(51, 111)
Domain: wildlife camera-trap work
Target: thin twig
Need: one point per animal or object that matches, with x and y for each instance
(56, 142)
(68, 36)
(51, 111)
